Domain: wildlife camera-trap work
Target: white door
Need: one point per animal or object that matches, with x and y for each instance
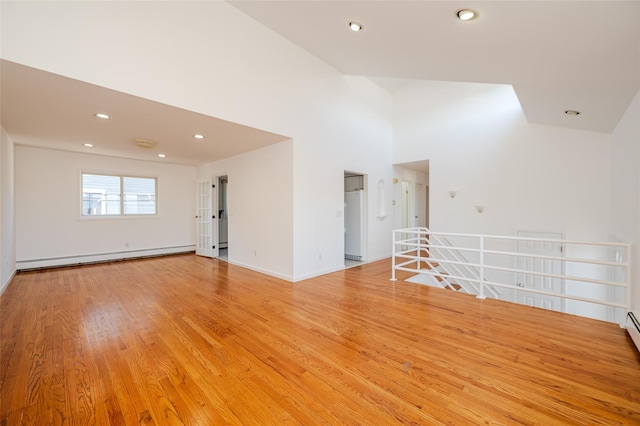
(550, 266)
(204, 224)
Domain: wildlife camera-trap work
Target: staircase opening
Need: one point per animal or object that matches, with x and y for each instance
(576, 277)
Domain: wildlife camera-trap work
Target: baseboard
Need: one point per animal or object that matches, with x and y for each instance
(318, 273)
(375, 259)
(356, 257)
(262, 271)
(26, 265)
(5, 284)
(633, 328)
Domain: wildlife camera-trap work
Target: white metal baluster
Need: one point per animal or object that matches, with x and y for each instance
(481, 294)
(393, 256)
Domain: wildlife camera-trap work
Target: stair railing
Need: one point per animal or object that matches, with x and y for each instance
(462, 268)
(414, 248)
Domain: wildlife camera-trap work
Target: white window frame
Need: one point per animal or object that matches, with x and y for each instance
(122, 195)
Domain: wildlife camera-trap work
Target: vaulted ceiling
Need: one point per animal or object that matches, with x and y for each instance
(558, 55)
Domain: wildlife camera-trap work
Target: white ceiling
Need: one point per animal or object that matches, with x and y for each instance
(558, 55)
(50, 111)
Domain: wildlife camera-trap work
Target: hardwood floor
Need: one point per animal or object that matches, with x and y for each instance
(190, 340)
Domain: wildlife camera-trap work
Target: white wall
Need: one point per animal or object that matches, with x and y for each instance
(530, 177)
(350, 129)
(625, 188)
(7, 210)
(49, 224)
(260, 208)
(217, 61)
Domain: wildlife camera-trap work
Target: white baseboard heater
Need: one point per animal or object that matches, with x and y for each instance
(633, 328)
(83, 259)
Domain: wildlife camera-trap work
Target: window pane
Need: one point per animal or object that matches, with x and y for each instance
(139, 195)
(100, 195)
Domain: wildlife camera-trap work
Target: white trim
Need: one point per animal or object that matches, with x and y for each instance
(5, 285)
(633, 332)
(260, 270)
(319, 273)
(22, 265)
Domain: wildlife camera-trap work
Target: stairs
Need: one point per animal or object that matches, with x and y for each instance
(440, 279)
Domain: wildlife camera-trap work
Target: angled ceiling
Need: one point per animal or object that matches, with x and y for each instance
(558, 55)
(50, 111)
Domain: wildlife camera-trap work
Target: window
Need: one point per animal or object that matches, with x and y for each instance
(108, 195)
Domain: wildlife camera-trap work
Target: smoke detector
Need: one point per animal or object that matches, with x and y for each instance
(144, 143)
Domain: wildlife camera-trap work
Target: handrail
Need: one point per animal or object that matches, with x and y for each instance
(633, 319)
(426, 231)
(595, 267)
(533, 256)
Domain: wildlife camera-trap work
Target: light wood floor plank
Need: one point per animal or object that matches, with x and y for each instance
(196, 341)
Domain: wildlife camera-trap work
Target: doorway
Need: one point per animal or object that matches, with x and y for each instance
(422, 206)
(354, 218)
(223, 217)
(405, 209)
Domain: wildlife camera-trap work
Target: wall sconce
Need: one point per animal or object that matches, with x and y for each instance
(453, 193)
(480, 208)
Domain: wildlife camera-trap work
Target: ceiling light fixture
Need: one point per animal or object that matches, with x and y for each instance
(144, 143)
(572, 112)
(161, 155)
(102, 116)
(355, 26)
(466, 14)
(88, 145)
(198, 136)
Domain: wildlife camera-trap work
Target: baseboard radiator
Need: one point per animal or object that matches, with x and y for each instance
(54, 262)
(633, 328)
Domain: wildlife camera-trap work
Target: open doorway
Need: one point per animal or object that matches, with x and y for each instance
(354, 218)
(414, 194)
(422, 205)
(223, 217)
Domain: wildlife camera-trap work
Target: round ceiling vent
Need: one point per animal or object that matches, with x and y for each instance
(144, 143)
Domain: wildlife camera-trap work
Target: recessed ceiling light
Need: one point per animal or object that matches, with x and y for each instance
(103, 116)
(355, 26)
(198, 136)
(88, 145)
(161, 155)
(466, 14)
(572, 112)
